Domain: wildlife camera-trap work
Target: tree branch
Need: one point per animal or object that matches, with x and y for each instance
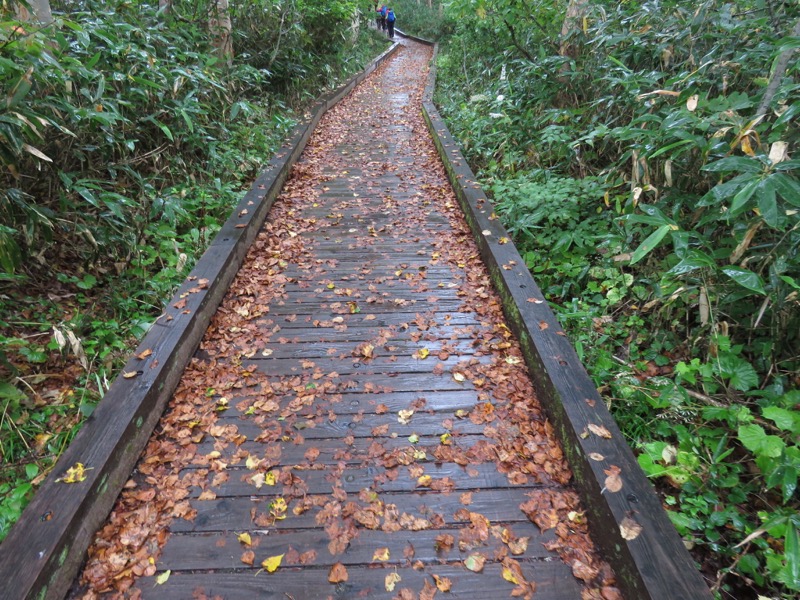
(777, 75)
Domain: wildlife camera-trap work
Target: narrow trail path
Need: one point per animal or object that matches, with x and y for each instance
(358, 417)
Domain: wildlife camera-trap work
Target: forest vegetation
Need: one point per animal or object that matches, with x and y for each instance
(641, 153)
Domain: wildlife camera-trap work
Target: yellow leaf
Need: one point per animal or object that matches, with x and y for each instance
(443, 583)
(331, 286)
(74, 474)
(381, 554)
(509, 576)
(422, 353)
(413, 438)
(129, 374)
(272, 563)
(424, 481)
(392, 579)
(271, 478)
(162, 579)
(445, 439)
(420, 455)
(252, 462)
(144, 354)
(244, 538)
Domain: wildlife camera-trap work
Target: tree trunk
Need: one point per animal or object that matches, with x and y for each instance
(220, 27)
(572, 24)
(41, 12)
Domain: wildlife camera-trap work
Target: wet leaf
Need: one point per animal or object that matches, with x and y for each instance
(508, 575)
(629, 529)
(404, 416)
(391, 580)
(144, 354)
(248, 557)
(413, 438)
(272, 563)
(245, 538)
(475, 562)
(129, 374)
(442, 583)
(76, 473)
(381, 554)
(162, 579)
(599, 430)
(338, 573)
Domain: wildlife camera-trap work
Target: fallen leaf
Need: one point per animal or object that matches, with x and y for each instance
(248, 557)
(475, 562)
(404, 416)
(144, 354)
(162, 579)
(424, 481)
(338, 573)
(74, 474)
(519, 546)
(129, 374)
(599, 430)
(629, 529)
(392, 579)
(381, 554)
(459, 377)
(244, 538)
(272, 563)
(508, 575)
(443, 583)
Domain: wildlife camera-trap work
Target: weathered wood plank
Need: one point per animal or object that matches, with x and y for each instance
(230, 513)
(554, 581)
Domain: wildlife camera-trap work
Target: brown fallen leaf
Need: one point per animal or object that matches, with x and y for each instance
(248, 557)
(475, 562)
(338, 573)
(599, 430)
(443, 583)
(629, 529)
(144, 354)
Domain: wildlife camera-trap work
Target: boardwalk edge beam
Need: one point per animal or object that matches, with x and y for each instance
(630, 527)
(44, 550)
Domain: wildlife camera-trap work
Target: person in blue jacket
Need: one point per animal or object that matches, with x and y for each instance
(382, 13)
(390, 19)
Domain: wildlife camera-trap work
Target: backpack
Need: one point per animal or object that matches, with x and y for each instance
(391, 17)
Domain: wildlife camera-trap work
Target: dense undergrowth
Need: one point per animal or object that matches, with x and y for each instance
(657, 204)
(125, 142)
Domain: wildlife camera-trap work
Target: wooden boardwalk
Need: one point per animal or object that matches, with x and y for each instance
(358, 420)
(358, 400)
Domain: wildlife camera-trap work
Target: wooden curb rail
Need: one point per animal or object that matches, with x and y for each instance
(630, 527)
(44, 550)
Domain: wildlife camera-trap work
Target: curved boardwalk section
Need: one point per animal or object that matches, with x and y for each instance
(358, 421)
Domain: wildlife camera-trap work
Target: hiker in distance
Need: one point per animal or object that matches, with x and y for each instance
(390, 19)
(382, 18)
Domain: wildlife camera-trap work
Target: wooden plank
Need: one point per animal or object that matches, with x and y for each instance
(655, 563)
(236, 513)
(554, 581)
(222, 550)
(44, 550)
(483, 476)
(332, 451)
(321, 428)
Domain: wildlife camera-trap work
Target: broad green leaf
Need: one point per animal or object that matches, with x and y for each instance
(767, 202)
(784, 419)
(759, 443)
(651, 242)
(792, 549)
(742, 198)
(740, 374)
(787, 187)
(745, 278)
(734, 163)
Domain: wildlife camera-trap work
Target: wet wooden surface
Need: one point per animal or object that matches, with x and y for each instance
(357, 402)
